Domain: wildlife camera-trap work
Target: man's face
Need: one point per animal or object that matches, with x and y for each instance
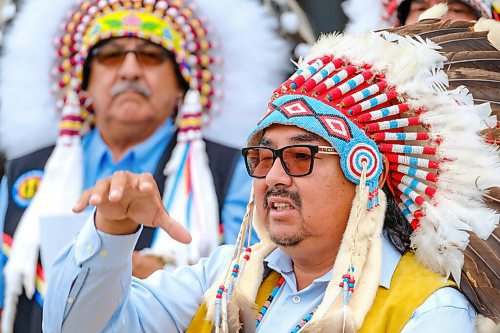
(135, 96)
(456, 10)
(312, 209)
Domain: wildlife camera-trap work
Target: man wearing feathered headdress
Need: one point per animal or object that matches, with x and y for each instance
(369, 172)
(136, 83)
(379, 14)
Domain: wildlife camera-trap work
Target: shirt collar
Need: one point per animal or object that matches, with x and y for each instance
(141, 153)
(163, 135)
(390, 260)
(280, 262)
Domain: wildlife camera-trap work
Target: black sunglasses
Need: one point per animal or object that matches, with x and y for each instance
(297, 160)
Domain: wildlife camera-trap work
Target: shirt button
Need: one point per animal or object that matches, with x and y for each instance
(89, 249)
(103, 253)
(296, 299)
(70, 300)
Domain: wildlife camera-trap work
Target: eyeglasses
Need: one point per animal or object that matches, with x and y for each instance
(112, 55)
(297, 160)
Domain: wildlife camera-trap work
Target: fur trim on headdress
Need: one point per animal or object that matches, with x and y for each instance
(486, 325)
(188, 196)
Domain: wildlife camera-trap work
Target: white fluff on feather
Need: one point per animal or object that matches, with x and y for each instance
(399, 57)
(436, 248)
(481, 221)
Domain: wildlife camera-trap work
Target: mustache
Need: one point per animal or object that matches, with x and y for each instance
(280, 192)
(122, 87)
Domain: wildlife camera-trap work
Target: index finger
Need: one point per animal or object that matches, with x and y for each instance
(173, 228)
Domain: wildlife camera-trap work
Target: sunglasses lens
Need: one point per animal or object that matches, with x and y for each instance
(151, 56)
(112, 55)
(109, 56)
(297, 160)
(259, 161)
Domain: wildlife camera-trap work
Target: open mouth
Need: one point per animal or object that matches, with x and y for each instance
(280, 204)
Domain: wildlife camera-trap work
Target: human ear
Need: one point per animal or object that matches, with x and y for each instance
(385, 171)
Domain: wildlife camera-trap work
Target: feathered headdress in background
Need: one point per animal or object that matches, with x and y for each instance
(393, 95)
(367, 15)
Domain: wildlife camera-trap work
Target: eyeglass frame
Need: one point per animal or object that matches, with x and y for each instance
(278, 153)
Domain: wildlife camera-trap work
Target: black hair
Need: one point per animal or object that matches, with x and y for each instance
(403, 11)
(396, 227)
(86, 68)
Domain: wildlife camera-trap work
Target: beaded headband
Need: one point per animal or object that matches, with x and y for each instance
(134, 23)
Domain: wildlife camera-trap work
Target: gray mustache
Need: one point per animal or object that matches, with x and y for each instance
(122, 87)
(294, 196)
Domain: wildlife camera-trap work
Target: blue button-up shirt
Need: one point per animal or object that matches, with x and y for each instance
(98, 160)
(92, 291)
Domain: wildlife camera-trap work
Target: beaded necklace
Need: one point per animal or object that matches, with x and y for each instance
(267, 304)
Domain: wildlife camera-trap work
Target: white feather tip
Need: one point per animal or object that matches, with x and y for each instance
(435, 12)
(493, 28)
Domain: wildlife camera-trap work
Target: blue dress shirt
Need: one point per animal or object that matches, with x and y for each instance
(92, 291)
